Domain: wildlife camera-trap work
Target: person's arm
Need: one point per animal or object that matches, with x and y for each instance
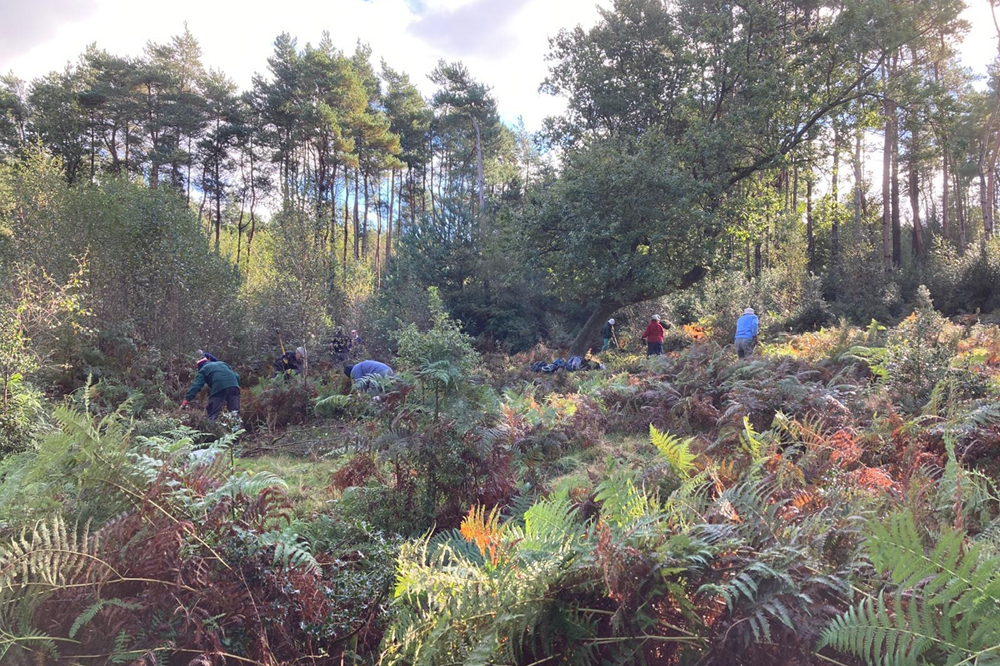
(196, 386)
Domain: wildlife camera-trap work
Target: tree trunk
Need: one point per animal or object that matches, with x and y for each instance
(835, 228)
(364, 224)
(413, 204)
(887, 187)
(914, 186)
(606, 307)
(963, 237)
(479, 166)
(378, 231)
(433, 216)
(984, 203)
(218, 206)
(347, 221)
(946, 187)
(592, 328)
(357, 221)
(388, 226)
(859, 176)
(897, 232)
(810, 232)
(253, 206)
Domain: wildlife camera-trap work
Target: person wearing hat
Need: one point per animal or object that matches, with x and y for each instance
(340, 345)
(747, 329)
(654, 335)
(223, 386)
(608, 333)
(291, 362)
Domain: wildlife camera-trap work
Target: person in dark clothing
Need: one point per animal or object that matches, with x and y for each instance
(340, 345)
(654, 335)
(356, 340)
(608, 334)
(292, 362)
(223, 385)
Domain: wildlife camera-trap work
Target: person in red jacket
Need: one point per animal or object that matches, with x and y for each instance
(654, 337)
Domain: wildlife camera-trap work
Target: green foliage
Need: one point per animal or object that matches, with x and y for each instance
(148, 267)
(943, 607)
(442, 357)
(915, 358)
(675, 450)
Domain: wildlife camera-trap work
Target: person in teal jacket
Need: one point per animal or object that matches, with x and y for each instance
(223, 386)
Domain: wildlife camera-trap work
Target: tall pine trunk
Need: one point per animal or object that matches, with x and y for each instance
(810, 231)
(388, 226)
(357, 220)
(835, 228)
(897, 231)
(364, 224)
(887, 182)
(914, 187)
(347, 219)
(859, 183)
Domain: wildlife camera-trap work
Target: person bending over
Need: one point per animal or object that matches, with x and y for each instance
(364, 369)
(223, 387)
(747, 330)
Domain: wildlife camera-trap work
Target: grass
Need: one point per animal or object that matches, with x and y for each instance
(584, 469)
(308, 479)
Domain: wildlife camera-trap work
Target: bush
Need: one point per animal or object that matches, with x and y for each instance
(442, 357)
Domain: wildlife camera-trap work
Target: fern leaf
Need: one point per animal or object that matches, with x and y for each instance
(675, 450)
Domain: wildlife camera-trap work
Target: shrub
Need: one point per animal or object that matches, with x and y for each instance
(442, 357)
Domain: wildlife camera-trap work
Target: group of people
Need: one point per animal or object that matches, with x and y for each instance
(342, 345)
(224, 384)
(747, 331)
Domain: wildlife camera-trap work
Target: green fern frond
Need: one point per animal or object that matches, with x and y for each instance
(945, 609)
(87, 616)
(677, 451)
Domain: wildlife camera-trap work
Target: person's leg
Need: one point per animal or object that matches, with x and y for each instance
(658, 349)
(214, 406)
(607, 343)
(741, 350)
(649, 349)
(233, 399)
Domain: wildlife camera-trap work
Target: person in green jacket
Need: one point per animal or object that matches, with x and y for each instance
(608, 333)
(223, 385)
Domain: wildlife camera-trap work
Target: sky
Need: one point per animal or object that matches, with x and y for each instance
(503, 42)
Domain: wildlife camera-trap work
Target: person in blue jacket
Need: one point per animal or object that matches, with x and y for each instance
(747, 330)
(366, 369)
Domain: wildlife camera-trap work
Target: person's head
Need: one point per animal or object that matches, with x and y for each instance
(656, 317)
(300, 353)
(354, 332)
(749, 311)
(611, 321)
(347, 370)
